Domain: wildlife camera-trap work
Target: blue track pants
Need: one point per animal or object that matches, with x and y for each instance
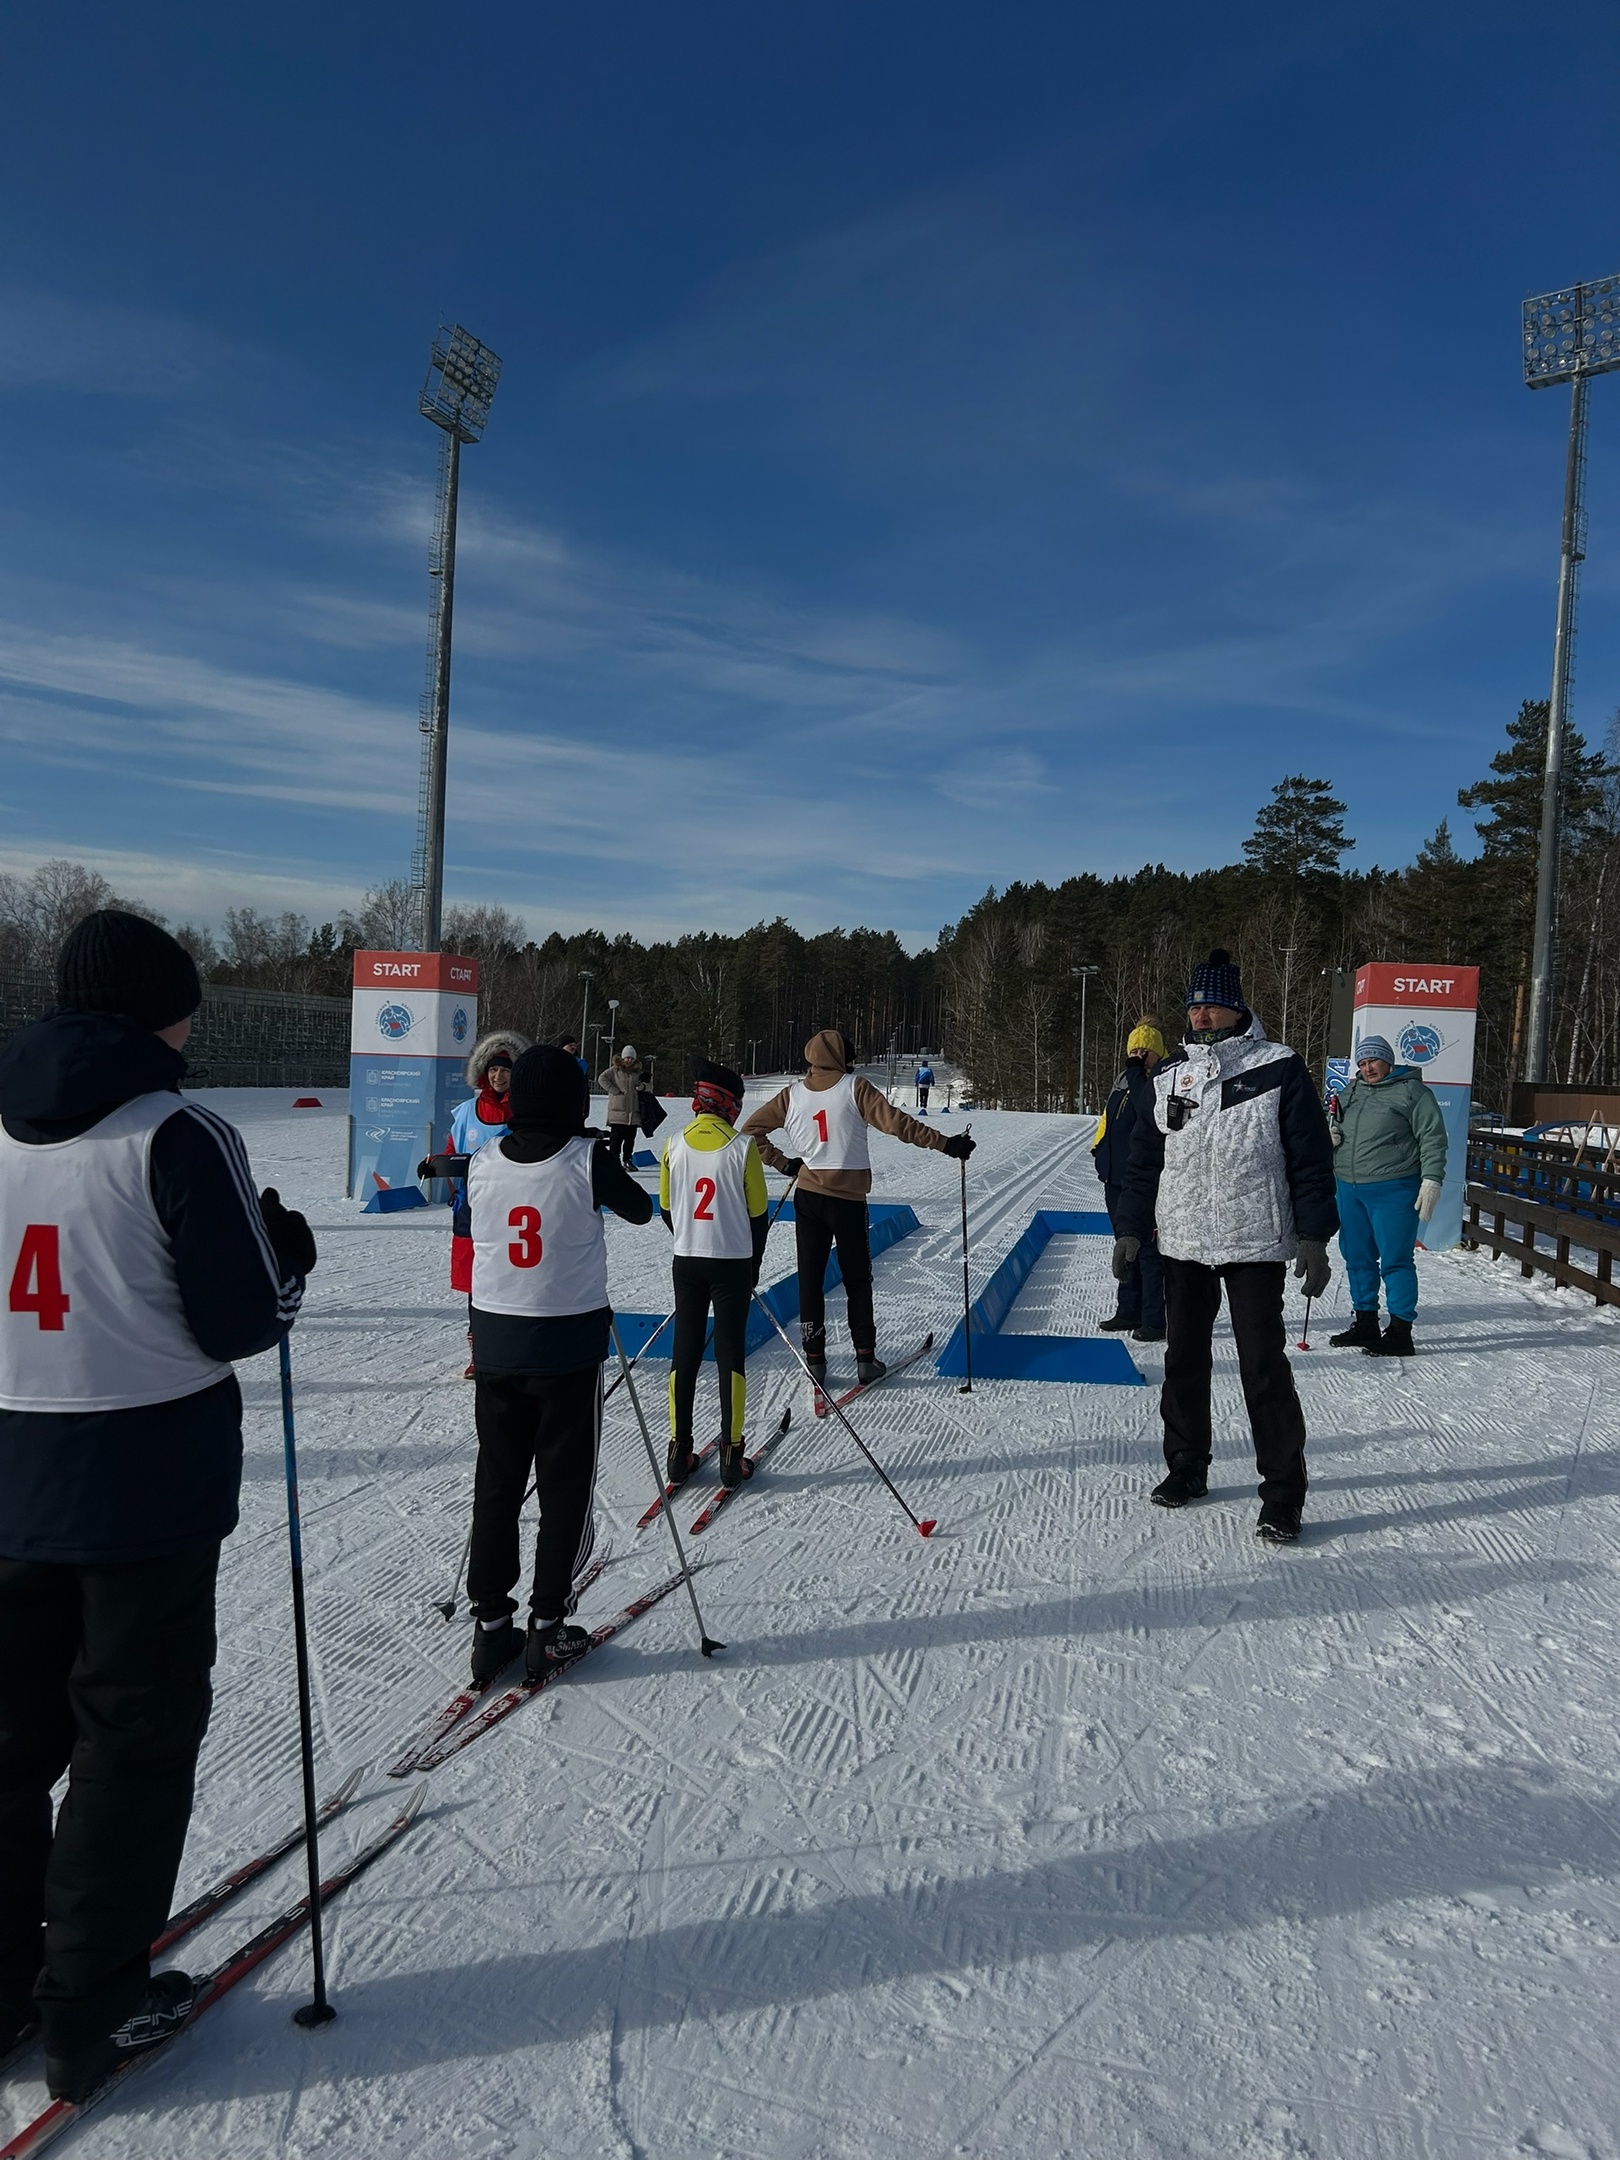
(1378, 1227)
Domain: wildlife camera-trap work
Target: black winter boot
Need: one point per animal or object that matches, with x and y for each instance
(1396, 1340)
(1116, 1324)
(1361, 1334)
(550, 1644)
(1188, 1480)
(168, 2003)
(868, 1369)
(493, 1649)
(1279, 1522)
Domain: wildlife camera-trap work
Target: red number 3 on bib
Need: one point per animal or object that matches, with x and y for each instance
(526, 1248)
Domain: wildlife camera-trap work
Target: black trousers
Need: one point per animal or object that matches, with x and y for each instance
(622, 1140)
(922, 1094)
(104, 1673)
(820, 1221)
(1254, 1298)
(1140, 1297)
(550, 1423)
(726, 1285)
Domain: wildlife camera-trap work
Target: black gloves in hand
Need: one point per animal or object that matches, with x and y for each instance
(424, 1168)
(291, 1239)
(960, 1145)
(1124, 1259)
(792, 1165)
(1311, 1266)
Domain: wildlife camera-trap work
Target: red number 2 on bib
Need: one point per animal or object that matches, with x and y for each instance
(818, 1119)
(36, 1280)
(704, 1211)
(526, 1249)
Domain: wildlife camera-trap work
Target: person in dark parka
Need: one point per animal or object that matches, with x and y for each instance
(1140, 1304)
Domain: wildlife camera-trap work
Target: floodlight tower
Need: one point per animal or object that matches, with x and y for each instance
(460, 386)
(1569, 336)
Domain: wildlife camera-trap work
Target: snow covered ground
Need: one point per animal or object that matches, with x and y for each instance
(1081, 1829)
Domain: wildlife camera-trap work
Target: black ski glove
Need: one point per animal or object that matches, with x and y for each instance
(443, 1166)
(1125, 1252)
(1312, 1266)
(791, 1165)
(291, 1239)
(960, 1146)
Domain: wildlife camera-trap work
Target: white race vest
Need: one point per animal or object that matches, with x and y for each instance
(93, 1318)
(708, 1201)
(825, 1128)
(539, 1249)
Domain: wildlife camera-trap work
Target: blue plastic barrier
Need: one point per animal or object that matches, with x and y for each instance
(1093, 1359)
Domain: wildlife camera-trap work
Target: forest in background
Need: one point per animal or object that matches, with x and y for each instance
(999, 994)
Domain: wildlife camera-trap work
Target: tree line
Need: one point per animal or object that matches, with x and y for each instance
(1001, 994)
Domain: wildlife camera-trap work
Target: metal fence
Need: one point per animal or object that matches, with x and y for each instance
(240, 1038)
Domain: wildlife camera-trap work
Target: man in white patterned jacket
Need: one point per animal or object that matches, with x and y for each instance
(1235, 1170)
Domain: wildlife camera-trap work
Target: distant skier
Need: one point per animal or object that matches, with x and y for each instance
(1140, 1304)
(1235, 1170)
(924, 1081)
(1390, 1166)
(473, 1124)
(141, 1264)
(825, 1118)
(540, 1322)
(711, 1189)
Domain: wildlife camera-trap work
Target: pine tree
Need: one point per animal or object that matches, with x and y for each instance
(1300, 832)
(1511, 833)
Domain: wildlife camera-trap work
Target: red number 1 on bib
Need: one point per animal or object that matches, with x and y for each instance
(36, 1280)
(704, 1211)
(818, 1119)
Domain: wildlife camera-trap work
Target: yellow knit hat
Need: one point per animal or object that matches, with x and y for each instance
(1145, 1036)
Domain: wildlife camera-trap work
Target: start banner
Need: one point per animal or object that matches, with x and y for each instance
(413, 1020)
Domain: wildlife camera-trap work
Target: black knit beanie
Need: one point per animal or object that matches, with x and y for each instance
(1216, 981)
(549, 1093)
(115, 962)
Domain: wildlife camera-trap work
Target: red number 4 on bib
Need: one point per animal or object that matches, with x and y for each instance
(36, 1280)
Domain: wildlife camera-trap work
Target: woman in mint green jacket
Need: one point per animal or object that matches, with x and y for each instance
(1389, 1164)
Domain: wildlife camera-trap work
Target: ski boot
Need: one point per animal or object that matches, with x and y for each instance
(679, 1463)
(552, 1643)
(493, 1649)
(1188, 1480)
(168, 2002)
(1396, 1340)
(734, 1465)
(1147, 1334)
(1361, 1334)
(868, 1369)
(1279, 1522)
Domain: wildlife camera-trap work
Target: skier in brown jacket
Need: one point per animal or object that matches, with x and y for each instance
(824, 1117)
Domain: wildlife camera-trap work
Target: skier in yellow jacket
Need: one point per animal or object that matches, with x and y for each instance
(825, 1117)
(711, 1189)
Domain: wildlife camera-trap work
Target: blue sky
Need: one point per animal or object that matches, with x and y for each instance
(937, 444)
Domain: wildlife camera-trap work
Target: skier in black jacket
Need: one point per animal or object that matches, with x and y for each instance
(1234, 1171)
(140, 1264)
(1139, 1306)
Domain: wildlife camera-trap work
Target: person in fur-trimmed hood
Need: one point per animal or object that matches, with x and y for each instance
(1234, 1169)
(473, 1123)
(825, 1116)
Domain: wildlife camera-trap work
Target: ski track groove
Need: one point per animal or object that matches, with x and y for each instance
(1188, 1713)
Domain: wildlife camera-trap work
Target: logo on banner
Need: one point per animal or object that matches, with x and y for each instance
(394, 1021)
(1419, 1045)
(458, 1024)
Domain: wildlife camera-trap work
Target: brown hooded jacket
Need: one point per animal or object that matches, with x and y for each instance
(825, 1053)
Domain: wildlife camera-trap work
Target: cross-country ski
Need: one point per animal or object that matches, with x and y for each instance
(730, 1492)
(825, 1402)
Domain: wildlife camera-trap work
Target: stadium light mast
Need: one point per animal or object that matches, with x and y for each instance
(458, 392)
(1569, 336)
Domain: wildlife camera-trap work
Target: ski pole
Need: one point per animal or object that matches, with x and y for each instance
(707, 1641)
(641, 1353)
(319, 2011)
(967, 1309)
(930, 1523)
(1304, 1333)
